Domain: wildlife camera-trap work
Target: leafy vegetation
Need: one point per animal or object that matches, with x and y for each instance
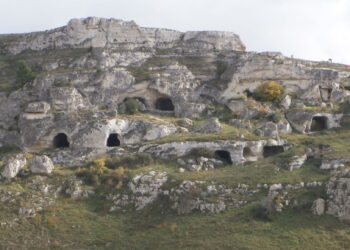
(269, 91)
(24, 73)
(132, 107)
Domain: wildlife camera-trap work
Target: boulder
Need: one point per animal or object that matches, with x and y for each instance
(329, 164)
(211, 125)
(185, 122)
(338, 191)
(38, 107)
(286, 102)
(297, 161)
(13, 165)
(318, 207)
(242, 124)
(41, 165)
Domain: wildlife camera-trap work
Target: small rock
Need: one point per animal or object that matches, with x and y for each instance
(209, 126)
(41, 164)
(318, 207)
(13, 165)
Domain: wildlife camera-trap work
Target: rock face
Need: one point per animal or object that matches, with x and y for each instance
(318, 207)
(312, 121)
(238, 152)
(13, 165)
(99, 32)
(210, 126)
(338, 191)
(297, 162)
(41, 164)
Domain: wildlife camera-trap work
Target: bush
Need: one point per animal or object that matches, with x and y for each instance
(24, 73)
(130, 161)
(131, 105)
(98, 174)
(198, 152)
(275, 117)
(269, 91)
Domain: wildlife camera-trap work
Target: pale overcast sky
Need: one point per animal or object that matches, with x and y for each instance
(309, 29)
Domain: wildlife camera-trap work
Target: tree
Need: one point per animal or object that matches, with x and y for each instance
(24, 73)
(269, 91)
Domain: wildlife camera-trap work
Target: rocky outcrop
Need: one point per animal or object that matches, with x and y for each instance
(100, 32)
(338, 191)
(312, 121)
(209, 126)
(13, 165)
(40, 165)
(238, 151)
(297, 162)
(318, 207)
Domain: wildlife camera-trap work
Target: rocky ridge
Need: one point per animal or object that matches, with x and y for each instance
(106, 87)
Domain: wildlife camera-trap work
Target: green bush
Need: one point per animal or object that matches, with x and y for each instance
(98, 174)
(275, 117)
(132, 107)
(130, 161)
(24, 73)
(198, 152)
(269, 91)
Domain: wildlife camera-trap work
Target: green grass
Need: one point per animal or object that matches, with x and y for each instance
(86, 225)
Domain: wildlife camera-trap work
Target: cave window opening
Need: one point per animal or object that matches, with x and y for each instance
(224, 155)
(164, 104)
(318, 123)
(61, 141)
(113, 140)
(272, 150)
(248, 153)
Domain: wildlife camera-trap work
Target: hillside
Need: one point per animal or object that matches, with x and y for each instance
(115, 136)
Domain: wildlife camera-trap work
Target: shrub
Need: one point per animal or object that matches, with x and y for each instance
(275, 117)
(269, 91)
(130, 161)
(198, 152)
(98, 174)
(24, 73)
(131, 105)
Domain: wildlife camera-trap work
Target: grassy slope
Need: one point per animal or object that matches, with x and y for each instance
(87, 224)
(84, 225)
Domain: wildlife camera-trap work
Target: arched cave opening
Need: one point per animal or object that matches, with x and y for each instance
(272, 150)
(224, 155)
(113, 140)
(248, 153)
(61, 141)
(318, 123)
(164, 104)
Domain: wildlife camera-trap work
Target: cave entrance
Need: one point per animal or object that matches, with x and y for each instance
(272, 150)
(113, 140)
(164, 104)
(326, 94)
(248, 154)
(318, 123)
(224, 155)
(61, 141)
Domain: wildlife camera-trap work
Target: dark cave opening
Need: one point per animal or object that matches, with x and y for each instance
(272, 150)
(318, 123)
(224, 155)
(61, 141)
(247, 153)
(113, 140)
(164, 104)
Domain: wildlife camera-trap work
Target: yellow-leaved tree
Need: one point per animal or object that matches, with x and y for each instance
(269, 91)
